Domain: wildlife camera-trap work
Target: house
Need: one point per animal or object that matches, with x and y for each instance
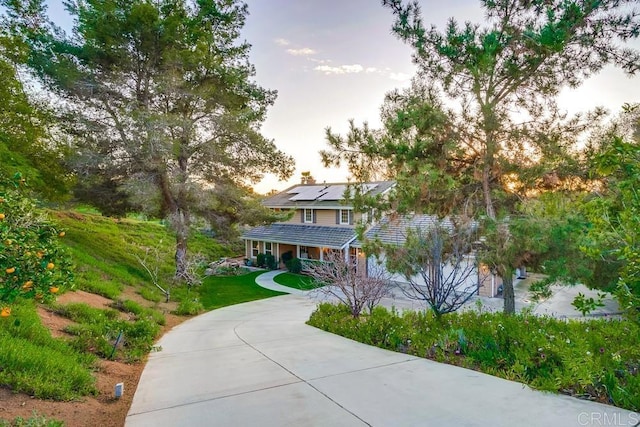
(393, 230)
(322, 221)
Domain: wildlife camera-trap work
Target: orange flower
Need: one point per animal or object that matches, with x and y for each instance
(27, 285)
(1, 216)
(53, 289)
(39, 254)
(51, 266)
(6, 312)
(61, 234)
(10, 270)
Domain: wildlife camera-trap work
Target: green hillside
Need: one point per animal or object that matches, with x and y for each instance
(104, 252)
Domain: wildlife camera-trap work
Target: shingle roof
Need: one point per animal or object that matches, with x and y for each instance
(393, 230)
(320, 195)
(305, 235)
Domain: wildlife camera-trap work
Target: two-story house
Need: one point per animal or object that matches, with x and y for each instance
(321, 222)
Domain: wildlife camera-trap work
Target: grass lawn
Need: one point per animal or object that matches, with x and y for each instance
(221, 291)
(296, 281)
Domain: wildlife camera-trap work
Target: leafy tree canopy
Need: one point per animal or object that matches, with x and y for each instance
(159, 100)
(479, 130)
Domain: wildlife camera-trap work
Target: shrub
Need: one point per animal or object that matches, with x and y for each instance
(596, 359)
(260, 260)
(270, 262)
(33, 263)
(286, 257)
(294, 265)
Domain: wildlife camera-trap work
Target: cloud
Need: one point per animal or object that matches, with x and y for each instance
(401, 77)
(301, 52)
(342, 69)
(357, 68)
(282, 42)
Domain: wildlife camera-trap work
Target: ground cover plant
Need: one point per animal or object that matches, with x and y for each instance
(107, 264)
(35, 420)
(296, 281)
(104, 333)
(595, 359)
(35, 363)
(221, 291)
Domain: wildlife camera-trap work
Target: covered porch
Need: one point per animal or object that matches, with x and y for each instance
(300, 241)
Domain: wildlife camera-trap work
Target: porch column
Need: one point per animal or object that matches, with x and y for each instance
(321, 254)
(297, 251)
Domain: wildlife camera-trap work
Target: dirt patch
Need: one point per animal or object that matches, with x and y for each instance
(103, 409)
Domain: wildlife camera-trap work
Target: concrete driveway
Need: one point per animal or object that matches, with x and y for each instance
(258, 364)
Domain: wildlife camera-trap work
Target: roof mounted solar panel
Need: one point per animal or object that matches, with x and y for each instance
(303, 188)
(309, 192)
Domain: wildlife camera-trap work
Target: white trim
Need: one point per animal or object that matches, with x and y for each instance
(304, 215)
(348, 212)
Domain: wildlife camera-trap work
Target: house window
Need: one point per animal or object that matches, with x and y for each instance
(308, 216)
(268, 248)
(345, 216)
(254, 248)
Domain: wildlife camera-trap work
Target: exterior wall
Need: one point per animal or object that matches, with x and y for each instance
(286, 248)
(489, 283)
(471, 281)
(325, 217)
(311, 253)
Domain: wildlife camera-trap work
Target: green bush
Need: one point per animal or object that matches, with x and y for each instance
(294, 265)
(270, 262)
(33, 262)
(261, 260)
(286, 257)
(598, 359)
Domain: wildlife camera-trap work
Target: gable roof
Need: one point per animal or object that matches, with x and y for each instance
(305, 235)
(392, 230)
(321, 195)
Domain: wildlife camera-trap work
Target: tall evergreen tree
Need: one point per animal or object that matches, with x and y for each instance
(159, 98)
(480, 128)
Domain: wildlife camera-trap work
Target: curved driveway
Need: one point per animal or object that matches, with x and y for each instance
(259, 364)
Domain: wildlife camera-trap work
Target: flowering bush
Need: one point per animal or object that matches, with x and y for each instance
(32, 262)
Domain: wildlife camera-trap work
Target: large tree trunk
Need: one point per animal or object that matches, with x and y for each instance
(181, 225)
(507, 291)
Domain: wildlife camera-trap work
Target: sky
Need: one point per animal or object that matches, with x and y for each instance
(334, 60)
